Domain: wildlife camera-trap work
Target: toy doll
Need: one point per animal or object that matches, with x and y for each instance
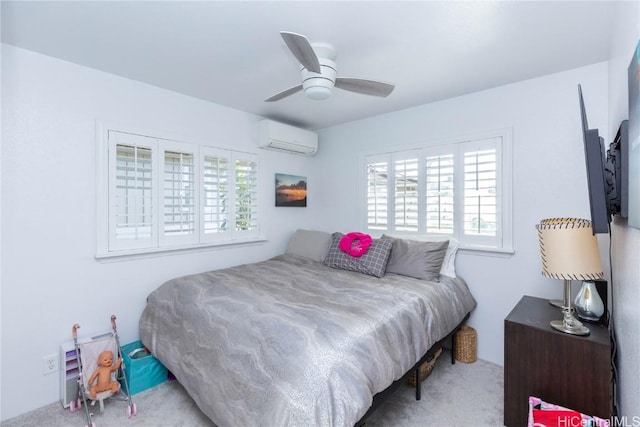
(103, 374)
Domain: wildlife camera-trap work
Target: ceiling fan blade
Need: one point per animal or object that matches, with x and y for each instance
(302, 50)
(366, 87)
(284, 93)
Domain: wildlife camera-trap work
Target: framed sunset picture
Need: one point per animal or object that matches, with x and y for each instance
(291, 190)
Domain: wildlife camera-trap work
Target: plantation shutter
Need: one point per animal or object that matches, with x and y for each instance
(377, 182)
(160, 194)
(406, 194)
(178, 193)
(215, 194)
(246, 193)
(440, 194)
(132, 191)
(445, 191)
(481, 191)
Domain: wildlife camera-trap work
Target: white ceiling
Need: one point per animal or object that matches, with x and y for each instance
(231, 52)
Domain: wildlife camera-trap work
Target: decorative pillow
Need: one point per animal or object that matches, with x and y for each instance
(310, 244)
(373, 263)
(449, 265)
(422, 260)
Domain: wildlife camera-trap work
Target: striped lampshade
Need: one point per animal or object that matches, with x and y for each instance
(568, 249)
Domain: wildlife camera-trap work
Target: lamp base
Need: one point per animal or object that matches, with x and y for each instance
(576, 329)
(556, 303)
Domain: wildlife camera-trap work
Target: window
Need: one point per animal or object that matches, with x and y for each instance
(246, 193)
(215, 218)
(132, 199)
(455, 190)
(480, 191)
(178, 221)
(164, 194)
(405, 194)
(377, 194)
(439, 194)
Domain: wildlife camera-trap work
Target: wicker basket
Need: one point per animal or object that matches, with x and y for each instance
(466, 344)
(425, 369)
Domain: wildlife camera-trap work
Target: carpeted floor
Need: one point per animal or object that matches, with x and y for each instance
(453, 395)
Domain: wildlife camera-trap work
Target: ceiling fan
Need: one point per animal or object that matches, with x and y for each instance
(319, 70)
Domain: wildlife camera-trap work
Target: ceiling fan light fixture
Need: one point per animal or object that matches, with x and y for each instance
(317, 93)
(318, 72)
(318, 86)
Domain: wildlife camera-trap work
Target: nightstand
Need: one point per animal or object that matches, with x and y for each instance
(559, 368)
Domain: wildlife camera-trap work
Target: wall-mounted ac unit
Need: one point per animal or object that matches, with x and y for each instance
(281, 137)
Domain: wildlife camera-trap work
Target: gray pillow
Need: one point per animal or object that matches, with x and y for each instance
(373, 263)
(310, 244)
(422, 260)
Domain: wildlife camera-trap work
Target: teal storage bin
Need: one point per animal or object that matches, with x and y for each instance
(142, 370)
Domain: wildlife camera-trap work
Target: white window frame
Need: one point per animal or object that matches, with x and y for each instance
(138, 142)
(402, 156)
(502, 242)
(471, 146)
(224, 235)
(375, 159)
(181, 147)
(440, 151)
(235, 157)
(108, 246)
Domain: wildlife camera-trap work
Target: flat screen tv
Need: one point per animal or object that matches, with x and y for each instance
(633, 140)
(594, 160)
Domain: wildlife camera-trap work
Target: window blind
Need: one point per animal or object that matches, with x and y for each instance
(406, 195)
(165, 194)
(377, 195)
(440, 194)
(246, 194)
(216, 187)
(454, 190)
(480, 202)
(133, 201)
(179, 193)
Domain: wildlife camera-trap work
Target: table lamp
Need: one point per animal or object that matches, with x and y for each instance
(569, 251)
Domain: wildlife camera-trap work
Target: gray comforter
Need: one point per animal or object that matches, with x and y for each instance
(289, 341)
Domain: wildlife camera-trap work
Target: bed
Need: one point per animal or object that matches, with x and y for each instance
(294, 341)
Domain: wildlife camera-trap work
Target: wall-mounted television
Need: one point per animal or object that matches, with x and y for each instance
(606, 177)
(633, 154)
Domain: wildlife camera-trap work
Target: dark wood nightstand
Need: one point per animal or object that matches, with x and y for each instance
(558, 368)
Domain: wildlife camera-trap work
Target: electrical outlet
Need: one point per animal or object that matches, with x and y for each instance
(50, 364)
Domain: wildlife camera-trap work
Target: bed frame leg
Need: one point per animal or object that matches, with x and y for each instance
(453, 348)
(418, 384)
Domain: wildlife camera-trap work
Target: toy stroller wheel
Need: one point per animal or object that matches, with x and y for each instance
(134, 409)
(128, 411)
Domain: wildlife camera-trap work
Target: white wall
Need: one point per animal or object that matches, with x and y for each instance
(549, 178)
(625, 240)
(50, 278)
